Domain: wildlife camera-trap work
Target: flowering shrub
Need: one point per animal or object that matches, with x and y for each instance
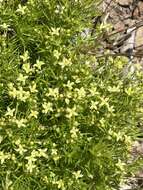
(63, 124)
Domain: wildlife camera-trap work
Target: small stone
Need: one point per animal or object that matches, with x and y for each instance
(138, 12)
(139, 38)
(124, 2)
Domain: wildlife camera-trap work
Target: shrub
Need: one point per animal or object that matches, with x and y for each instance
(67, 119)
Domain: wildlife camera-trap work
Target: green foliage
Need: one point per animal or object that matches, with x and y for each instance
(67, 120)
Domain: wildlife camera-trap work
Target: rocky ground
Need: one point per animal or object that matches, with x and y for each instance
(126, 17)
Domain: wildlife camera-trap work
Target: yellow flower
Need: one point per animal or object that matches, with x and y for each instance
(33, 114)
(93, 105)
(13, 157)
(30, 166)
(20, 149)
(93, 91)
(77, 79)
(45, 178)
(111, 109)
(34, 154)
(10, 111)
(55, 31)
(56, 54)
(69, 85)
(81, 93)
(120, 165)
(74, 132)
(4, 156)
(17, 142)
(129, 91)
(31, 161)
(21, 122)
(33, 88)
(104, 101)
(4, 26)
(77, 174)
(22, 78)
(26, 67)
(54, 154)
(128, 141)
(21, 9)
(22, 95)
(114, 89)
(53, 92)
(56, 157)
(71, 112)
(59, 9)
(47, 107)
(42, 152)
(60, 184)
(31, 158)
(12, 92)
(25, 56)
(39, 64)
(102, 122)
(117, 135)
(65, 62)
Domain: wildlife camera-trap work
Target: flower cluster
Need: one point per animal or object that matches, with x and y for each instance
(63, 124)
